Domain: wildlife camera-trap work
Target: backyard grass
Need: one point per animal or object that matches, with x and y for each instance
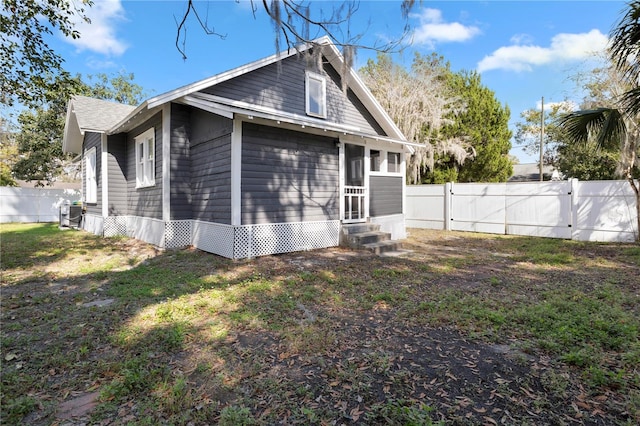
(468, 329)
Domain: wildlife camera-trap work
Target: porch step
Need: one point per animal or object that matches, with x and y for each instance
(382, 247)
(369, 237)
(363, 238)
(356, 228)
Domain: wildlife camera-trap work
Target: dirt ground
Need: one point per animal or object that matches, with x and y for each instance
(378, 365)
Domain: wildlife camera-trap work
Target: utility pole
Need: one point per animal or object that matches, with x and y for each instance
(541, 139)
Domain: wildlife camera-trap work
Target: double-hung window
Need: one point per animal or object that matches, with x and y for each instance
(316, 91)
(90, 179)
(145, 159)
(393, 162)
(375, 160)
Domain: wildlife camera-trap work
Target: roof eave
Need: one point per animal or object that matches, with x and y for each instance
(227, 75)
(73, 135)
(356, 84)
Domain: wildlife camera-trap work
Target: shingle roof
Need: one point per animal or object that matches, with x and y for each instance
(98, 115)
(530, 172)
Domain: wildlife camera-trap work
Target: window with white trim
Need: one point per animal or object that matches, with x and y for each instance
(393, 162)
(316, 95)
(145, 159)
(90, 180)
(375, 160)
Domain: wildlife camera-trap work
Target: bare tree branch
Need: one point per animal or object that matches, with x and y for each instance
(182, 28)
(294, 21)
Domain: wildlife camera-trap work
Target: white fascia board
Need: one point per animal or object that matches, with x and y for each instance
(219, 78)
(206, 106)
(118, 128)
(363, 93)
(73, 135)
(247, 108)
(250, 111)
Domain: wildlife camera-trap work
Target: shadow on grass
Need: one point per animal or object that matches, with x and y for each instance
(194, 337)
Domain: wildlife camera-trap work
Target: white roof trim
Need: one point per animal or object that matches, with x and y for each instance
(228, 75)
(188, 94)
(73, 135)
(273, 112)
(250, 111)
(365, 95)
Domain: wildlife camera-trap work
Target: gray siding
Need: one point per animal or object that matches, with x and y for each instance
(210, 157)
(116, 160)
(385, 194)
(180, 175)
(288, 176)
(145, 202)
(283, 88)
(92, 140)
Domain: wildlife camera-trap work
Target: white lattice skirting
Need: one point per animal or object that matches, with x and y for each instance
(240, 242)
(234, 242)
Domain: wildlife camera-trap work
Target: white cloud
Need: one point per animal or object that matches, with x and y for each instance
(100, 35)
(98, 64)
(563, 47)
(565, 106)
(433, 29)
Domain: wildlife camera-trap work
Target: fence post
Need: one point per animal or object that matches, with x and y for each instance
(447, 205)
(573, 223)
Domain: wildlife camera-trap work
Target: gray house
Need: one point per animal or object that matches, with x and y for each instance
(271, 157)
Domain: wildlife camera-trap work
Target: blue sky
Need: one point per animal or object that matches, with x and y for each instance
(523, 50)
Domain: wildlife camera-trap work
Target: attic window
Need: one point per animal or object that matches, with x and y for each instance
(316, 90)
(145, 159)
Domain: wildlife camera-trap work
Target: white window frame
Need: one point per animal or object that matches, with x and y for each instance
(145, 159)
(310, 79)
(90, 177)
(398, 165)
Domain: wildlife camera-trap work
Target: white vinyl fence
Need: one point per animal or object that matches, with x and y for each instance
(33, 204)
(586, 211)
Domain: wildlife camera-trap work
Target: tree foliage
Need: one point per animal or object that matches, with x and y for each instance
(41, 129)
(420, 102)
(484, 124)
(300, 22)
(463, 127)
(8, 154)
(31, 70)
(528, 130)
(619, 123)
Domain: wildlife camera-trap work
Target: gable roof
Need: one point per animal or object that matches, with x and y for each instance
(530, 172)
(227, 107)
(86, 114)
(333, 55)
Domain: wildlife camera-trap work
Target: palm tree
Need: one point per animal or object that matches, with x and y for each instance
(617, 123)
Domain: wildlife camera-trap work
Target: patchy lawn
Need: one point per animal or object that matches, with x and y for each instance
(468, 329)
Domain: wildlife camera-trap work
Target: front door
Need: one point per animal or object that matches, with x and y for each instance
(354, 192)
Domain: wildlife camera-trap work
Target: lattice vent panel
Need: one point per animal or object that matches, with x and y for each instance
(115, 225)
(213, 238)
(177, 233)
(260, 240)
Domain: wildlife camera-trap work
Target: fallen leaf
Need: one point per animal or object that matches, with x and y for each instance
(10, 356)
(490, 420)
